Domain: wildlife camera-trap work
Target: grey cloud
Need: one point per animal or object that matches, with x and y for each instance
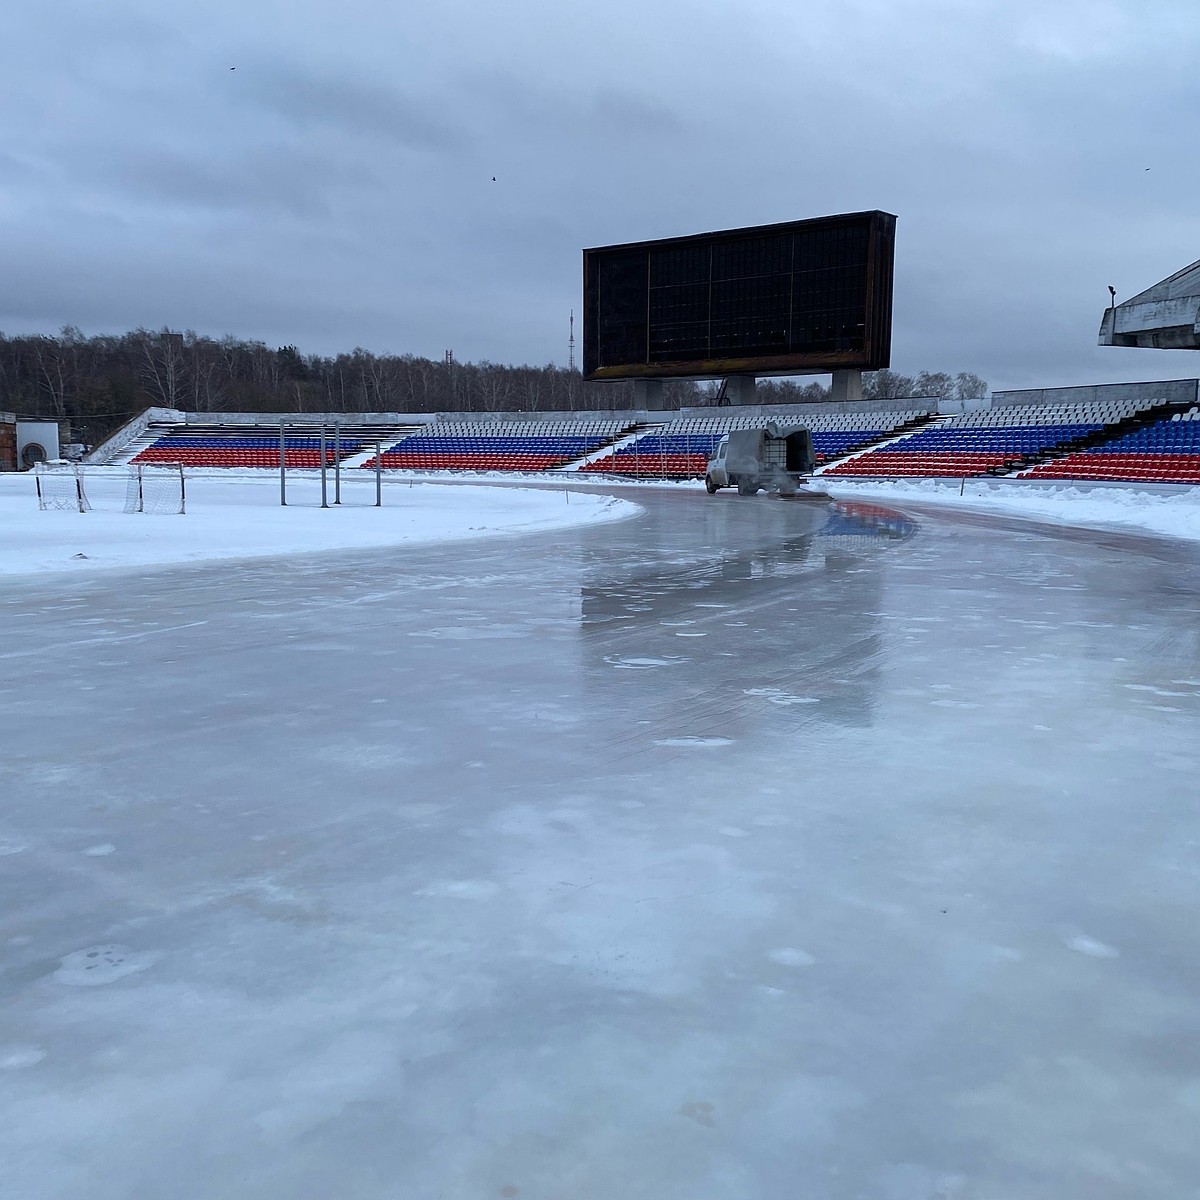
(273, 180)
(601, 111)
(312, 101)
(337, 188)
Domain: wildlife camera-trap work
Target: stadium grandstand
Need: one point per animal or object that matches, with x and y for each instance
(1163, 317)
(252, 442)
(1120, 432)
(1002, 440)
(514, 446)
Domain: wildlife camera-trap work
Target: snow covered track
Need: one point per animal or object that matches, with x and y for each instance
(233, 515)
(744, 849)
(1168, 510)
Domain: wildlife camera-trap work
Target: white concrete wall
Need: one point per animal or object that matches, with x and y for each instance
(1176, 391)
(40, 433)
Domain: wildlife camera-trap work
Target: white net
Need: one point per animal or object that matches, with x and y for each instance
(154, 490)
(62, 488)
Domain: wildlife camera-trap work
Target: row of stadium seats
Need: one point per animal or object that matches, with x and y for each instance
(947, 449)
(1168, 450)
(813, 418)
(506, 449)
(1160, 450)
(660, 466)
(232, 458)
(1162, 468)
(677, 451)
(929, 463)
(524, 428)
(242, 450)
(253, 442)
(1109, 412)
(483, 461)
(681, 449)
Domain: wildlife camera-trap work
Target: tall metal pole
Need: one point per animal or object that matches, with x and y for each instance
(324, 493)
(337, 463)
(378, 474)
(282, 468)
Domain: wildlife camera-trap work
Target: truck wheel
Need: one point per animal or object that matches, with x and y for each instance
(708, 483)
(746, 488)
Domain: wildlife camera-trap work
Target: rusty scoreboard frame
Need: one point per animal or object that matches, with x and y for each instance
(799, 297)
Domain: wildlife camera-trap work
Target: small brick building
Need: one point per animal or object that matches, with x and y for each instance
(8, 442)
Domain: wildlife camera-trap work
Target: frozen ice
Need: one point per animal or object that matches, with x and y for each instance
(694, 740)
(95, 966)
(589, 910)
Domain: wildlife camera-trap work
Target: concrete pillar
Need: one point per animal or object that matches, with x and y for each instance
(742, 389)
(846, 385)
(648, 395)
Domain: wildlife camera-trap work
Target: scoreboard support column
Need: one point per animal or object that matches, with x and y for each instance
(742, 389)
(846, 385)
(648, 395)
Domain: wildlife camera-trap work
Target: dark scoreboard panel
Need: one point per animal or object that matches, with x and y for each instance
(802, 296)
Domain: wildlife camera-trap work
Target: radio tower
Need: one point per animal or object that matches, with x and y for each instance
(571, 345)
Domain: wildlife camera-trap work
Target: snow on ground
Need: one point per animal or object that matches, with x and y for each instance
(1171, 514)
(240, 517)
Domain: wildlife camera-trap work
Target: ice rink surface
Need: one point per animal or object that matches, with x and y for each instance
(744, 850)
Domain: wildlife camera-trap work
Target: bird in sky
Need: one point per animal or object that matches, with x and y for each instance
(493, 179)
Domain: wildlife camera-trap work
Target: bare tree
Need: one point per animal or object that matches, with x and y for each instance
(886, 385)
(934, 383)
(52, 367)
(163, 366)
(968, 386)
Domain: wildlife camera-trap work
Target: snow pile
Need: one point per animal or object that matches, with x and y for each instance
(241, 518)
(1174, 514)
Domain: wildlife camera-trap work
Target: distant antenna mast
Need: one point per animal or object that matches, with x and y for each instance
(571, 346)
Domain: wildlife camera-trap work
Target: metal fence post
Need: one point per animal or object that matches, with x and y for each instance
(337, 462)
(282, 466)
(324, 492)
(378, 474)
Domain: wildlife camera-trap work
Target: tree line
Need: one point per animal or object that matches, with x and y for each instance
(98, 383)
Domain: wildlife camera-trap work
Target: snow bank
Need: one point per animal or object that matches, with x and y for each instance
(1171, 514)
(240, 517)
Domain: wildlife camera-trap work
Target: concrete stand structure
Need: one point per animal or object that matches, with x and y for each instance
(1164, 317)
(845, 385)
(648, 395)
(742, 389)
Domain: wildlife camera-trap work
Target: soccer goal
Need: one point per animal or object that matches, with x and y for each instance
(61, 487)
(152, 489)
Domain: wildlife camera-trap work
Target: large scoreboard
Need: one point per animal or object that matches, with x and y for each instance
(803, 296)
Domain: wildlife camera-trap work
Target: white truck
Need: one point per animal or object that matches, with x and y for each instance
(771, 457)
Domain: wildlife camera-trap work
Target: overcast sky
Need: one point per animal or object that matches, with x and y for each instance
(335, 189)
